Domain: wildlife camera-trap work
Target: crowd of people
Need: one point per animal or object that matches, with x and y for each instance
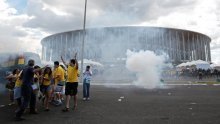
(48, 85)
(198, 74)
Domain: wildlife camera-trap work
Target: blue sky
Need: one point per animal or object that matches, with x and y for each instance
(19, 5)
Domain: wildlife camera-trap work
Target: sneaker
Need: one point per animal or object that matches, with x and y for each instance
(88, 98)
(65, 109)
(84, 99)
(12, 103)
(58, 103)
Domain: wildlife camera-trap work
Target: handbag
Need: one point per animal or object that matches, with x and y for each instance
(10, 85)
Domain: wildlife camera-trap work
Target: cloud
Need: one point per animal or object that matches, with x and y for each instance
(215, 54)
(44, 17)
(197, 15)
(14, 37)
(52, 18)
(68, 15)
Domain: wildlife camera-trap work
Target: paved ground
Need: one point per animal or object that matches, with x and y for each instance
(176, 105)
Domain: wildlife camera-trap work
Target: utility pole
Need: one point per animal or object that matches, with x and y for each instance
(83, 41)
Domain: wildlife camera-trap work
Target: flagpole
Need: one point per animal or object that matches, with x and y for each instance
(83, 42)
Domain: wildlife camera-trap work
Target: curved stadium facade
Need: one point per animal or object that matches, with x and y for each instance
(111, 43)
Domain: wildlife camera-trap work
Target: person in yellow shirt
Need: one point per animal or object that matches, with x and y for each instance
(17, 89)
(59, 81)
(72, 82)
(46, 86)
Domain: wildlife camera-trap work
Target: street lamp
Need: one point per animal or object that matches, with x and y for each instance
(83, 41)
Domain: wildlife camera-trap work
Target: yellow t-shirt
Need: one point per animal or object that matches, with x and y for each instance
(18, 82)
(47, 81)
(59, 71)
(72, 74)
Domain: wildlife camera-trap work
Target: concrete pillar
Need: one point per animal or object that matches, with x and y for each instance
(172, 48)
(198, 48)
(163, 41)
(189, 46)
(209, 52)
(194, 48)
(53, 47)
(206, 49)
(169, 48)
(177, 46)
(202, 48)
(184, 48)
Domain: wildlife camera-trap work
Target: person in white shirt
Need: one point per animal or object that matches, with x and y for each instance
(86, 82)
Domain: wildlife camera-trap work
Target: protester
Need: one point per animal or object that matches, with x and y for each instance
(65, 77)
(59, 81)
(72, 82)
(46, 86)
(11, 84)
(36, 85)
(86, 83)
(17, 89)
(27, 88)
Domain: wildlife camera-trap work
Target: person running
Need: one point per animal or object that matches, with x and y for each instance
(17, 89)
(46, 86)
(27, 88)
(72, 82)
(11, 85)
(86, 83)
(59, 82)
(37, 81)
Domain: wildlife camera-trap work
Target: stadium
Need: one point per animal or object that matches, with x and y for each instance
(109, 44)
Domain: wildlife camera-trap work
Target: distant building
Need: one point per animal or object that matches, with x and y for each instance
(14, 60)
(109, 44)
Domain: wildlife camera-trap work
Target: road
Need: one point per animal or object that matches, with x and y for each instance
(132, 105)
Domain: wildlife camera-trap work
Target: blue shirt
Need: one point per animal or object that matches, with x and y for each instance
(28, 76)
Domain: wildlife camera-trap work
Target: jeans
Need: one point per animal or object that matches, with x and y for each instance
(86, 87)
(28, 98)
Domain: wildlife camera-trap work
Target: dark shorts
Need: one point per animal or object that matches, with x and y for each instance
(71, 88)
(44, 89)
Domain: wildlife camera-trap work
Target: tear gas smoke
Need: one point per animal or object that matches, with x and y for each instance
(147, 66)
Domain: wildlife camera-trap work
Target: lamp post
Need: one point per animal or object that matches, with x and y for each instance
(83, 41)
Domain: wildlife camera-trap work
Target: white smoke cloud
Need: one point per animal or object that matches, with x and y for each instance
(147, 66)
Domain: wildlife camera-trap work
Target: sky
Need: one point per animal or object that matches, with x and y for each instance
(23, 23)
